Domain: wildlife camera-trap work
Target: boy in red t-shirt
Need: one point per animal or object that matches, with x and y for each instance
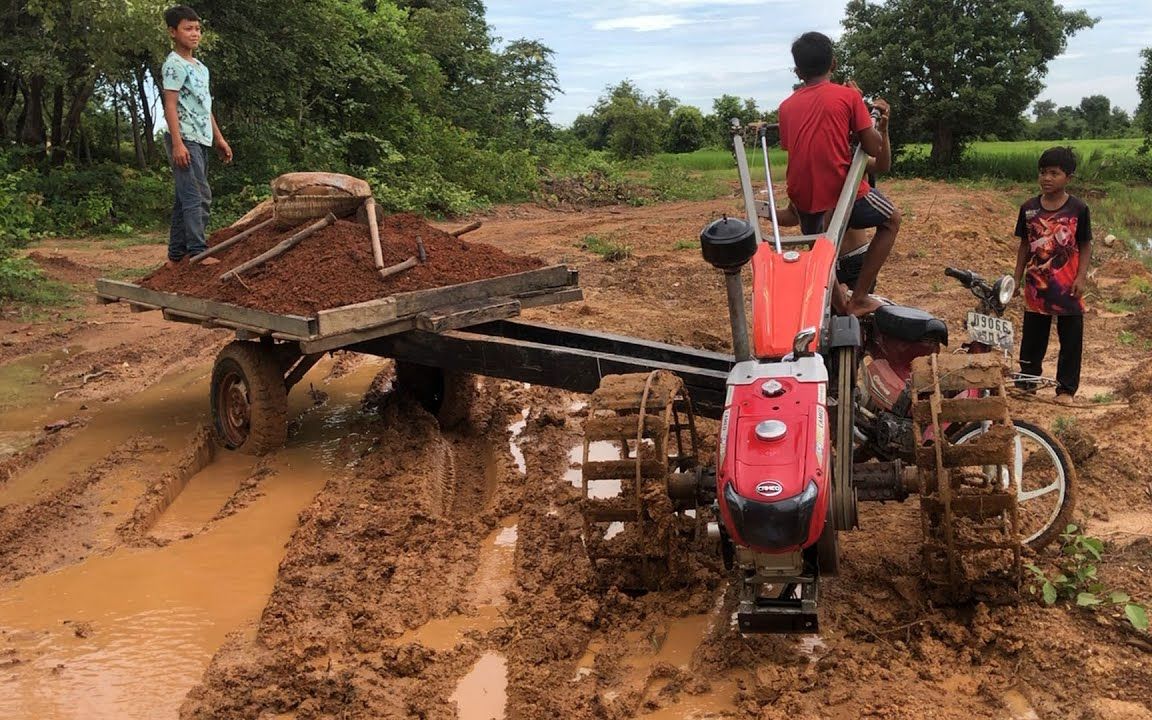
(815, 124)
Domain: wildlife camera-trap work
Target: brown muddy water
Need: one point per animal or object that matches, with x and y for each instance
(127, 632)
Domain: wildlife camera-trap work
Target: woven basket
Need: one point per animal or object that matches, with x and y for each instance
(301, 196)
(295, 209)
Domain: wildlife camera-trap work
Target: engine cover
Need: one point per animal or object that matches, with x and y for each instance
(772, 482)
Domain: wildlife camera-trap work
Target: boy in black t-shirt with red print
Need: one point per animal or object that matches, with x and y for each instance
(1055, 231)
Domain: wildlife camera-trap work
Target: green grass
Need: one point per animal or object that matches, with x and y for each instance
(686, 245)
(606, 247)
(1127, 337)
(1035, 147)
(1103, 398)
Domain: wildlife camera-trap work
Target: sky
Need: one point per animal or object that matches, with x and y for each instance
(698, 50)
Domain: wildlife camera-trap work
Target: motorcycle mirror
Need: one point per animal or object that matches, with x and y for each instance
(1004, 289)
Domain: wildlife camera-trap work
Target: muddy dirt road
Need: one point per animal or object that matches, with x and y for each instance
(378, 567)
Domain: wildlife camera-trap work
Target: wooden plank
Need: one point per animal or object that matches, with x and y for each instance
(213, 323)
(105, 300)
(324, 343)
(463, 316)
(550, 297)
(417, 301)
(554, 279)
(295, 325)
(356, 317)
(139, 307)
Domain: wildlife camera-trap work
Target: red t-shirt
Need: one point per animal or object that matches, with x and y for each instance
(815, 123)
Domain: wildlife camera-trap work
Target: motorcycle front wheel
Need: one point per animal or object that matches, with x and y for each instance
(1045, 481)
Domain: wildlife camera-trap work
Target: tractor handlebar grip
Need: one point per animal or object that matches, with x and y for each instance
(962, 275)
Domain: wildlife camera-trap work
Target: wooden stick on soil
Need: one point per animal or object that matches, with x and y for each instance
(230, 241)
(280, 248)
(374, 230)
(399, 267)
(466, 229)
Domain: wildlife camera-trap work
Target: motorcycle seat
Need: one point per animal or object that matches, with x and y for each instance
(911, 324)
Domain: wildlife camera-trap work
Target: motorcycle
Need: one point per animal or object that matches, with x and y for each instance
(893, 337)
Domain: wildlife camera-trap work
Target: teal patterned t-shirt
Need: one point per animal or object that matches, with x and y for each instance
(194, 106)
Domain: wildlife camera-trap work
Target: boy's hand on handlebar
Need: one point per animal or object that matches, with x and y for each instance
(885, 111)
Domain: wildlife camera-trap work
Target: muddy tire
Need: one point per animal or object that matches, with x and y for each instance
(249, 399)
(447, 394)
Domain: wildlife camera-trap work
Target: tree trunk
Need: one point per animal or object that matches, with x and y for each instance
(59, 151)
(116, 127)
(146, 111)
(32, 127)
(8, 90)
(137, 145)
(943, 145)
(81, 91)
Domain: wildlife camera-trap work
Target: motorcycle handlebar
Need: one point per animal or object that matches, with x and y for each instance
(963, 276)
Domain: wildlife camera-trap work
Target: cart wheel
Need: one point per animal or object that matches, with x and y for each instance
(447, 394)
(249, 399)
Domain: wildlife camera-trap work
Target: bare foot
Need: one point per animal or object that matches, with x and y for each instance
(863, 305)
(171, 263)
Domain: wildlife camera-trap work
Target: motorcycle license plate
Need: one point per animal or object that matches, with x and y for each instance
(993, 331)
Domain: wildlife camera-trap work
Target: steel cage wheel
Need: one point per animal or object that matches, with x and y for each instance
(1039, 460)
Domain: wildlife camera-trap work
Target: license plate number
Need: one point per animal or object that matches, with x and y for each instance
(993, 331)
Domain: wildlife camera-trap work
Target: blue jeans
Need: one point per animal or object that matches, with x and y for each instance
(193, 202)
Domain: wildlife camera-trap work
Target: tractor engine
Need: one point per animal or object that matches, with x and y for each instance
(772, 481)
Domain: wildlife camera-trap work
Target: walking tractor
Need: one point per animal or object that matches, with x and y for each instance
(800, 441)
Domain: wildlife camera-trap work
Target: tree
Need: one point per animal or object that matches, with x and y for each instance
(626, 121)
(1044, 109)
(955, 69)
(686, 131)
(1097, 113)
(1144, 87)
(724, 109)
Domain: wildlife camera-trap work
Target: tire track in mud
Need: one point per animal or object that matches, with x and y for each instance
(62, 526)
(381, 551)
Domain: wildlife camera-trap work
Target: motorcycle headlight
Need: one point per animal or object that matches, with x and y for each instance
(1004, 288)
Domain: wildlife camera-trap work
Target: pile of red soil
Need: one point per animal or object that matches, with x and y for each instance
(334, 266)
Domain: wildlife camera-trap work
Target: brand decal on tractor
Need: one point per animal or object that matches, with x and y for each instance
(771, 488)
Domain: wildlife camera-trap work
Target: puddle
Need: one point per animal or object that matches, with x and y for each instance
(26, 402)
(127, 634)
(496, 570)
(494, 576)
(719, 702)
(204, 496)
(168, 411)
(482, 694)
(683, 637)
(516, 429)
(446, 633)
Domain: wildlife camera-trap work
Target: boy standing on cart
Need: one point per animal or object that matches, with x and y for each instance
(192, 131)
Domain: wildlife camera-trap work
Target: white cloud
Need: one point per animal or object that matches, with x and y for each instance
(641, 23)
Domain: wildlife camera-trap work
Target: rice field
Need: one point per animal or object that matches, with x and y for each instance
(1014, 160)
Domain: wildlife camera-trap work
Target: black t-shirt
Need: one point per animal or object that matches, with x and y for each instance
(1054, 239)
